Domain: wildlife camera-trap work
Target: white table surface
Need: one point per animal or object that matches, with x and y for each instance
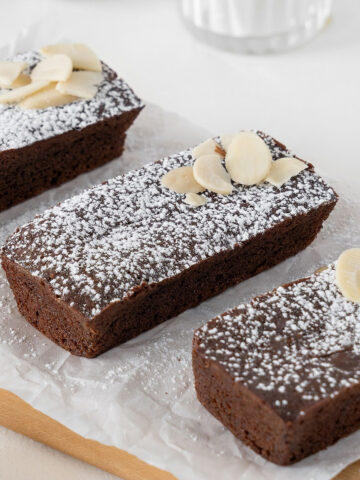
(309, 99)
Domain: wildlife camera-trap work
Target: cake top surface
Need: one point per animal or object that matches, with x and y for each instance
(21, 127)
(293, 346)
(99, 246)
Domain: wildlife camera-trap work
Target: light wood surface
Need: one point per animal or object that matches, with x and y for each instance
(19, 416)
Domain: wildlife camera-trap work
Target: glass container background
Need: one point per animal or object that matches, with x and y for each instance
(255, 26)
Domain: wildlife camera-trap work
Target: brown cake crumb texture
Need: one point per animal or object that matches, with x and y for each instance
(42, 148)
(282, 372)
(120, 258)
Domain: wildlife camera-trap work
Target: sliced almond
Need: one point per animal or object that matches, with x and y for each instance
(81, 84)
(181, 180)
(56, 68)
(82, 56)
(348, 274)
(20, 93)
(21, 81)
(205, 148)
(248, 159)
(283, 169)
(226, 140)
(47, 97)
(321, 269)
(9, 72)
(210, 174)
(195, 200)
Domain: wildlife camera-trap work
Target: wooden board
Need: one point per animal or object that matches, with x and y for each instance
(19, 416)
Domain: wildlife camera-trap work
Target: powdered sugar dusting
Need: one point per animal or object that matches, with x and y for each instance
(21, 127)
(294, 346)
(97, 247)
(141, 383)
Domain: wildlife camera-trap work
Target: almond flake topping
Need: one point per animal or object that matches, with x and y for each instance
(248, 159)
(348, 274)
(9, 72)
(181, 180)
(283, 169)
(210, 173)
(54, 69)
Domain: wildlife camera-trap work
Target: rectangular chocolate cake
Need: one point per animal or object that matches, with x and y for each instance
(126, 255)
(283, 372)
(42, 148)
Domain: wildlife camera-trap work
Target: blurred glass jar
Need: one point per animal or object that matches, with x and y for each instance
(255, 26)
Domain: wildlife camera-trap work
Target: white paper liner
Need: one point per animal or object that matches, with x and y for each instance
(140, 396)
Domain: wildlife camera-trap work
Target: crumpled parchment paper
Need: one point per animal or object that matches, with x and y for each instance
(140, 396)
